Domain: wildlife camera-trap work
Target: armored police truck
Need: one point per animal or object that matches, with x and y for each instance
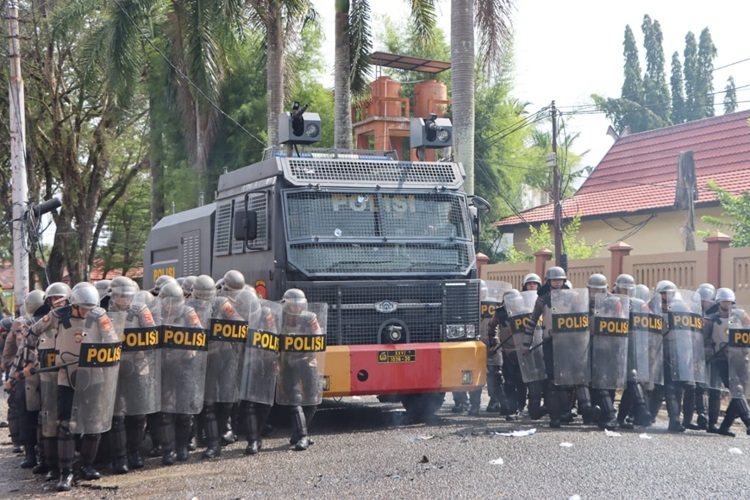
(387, 244)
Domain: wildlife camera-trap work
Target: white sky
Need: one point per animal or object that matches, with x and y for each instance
(567, 51)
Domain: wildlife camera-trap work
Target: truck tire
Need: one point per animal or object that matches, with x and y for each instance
(421, 407)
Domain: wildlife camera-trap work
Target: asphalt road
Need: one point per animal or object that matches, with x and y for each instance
(365, 449)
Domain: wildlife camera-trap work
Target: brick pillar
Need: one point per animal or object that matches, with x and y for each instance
(619, 250)
(482, 259)
(542, 257)
(716, 243)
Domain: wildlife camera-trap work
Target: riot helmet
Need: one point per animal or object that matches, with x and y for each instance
(145, 297)
(665, 286)
(57, 294)
(6, 324)
(625, 284)
(234, 283)
(555, 273)
(34, 300)
(187, 285)
(160, 282)
(294, 302)
(172, 300)
(84, 296)
(642, 292)
(531, 278)
(597, 282)
(706, 291)
(247, 302)
(204, 288)
(102, 287)
(121, 291)
(725, 295)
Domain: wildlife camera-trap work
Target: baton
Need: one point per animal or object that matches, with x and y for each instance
(54, 368)
(496, 348)
(544, 341)
(716, 354)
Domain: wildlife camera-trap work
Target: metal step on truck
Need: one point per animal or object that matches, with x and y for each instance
(387, 244)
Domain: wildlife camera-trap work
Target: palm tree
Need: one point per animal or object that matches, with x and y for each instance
(353, 42)
(280, 20)
(491, 19)
(199, 33)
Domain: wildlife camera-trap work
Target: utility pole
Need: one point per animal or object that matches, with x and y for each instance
(557, 206)
(17, 158)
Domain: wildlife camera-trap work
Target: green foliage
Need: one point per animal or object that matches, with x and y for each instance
(541, 237)
(735, 215)
(646, 102)
(730, 96)
(678, 92)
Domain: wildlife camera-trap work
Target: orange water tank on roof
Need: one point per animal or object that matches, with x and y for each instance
(385, 87)
(430, 96)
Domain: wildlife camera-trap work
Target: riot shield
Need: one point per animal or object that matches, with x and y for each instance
(184, 346)
(738, 353)
(227, 335)
(139, 387)
(261, 362)
(302, 357)
(519, 312)
(570, 336)
(685, 335)
(33, 399)
(609, 353)
(47, 383)
(95, 380)
(643, 325)
(656, 352)
(488, 306)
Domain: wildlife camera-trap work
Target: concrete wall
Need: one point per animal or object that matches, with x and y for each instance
(660, 234)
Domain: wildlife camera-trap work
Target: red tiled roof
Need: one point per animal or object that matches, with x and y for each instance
(639, 172)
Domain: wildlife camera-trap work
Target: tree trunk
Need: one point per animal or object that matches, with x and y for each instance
(155, 167)
(462, 83)
(342, 71)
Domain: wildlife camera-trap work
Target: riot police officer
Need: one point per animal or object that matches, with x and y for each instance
(694, 400)
(555, 398)
(140, 374)
(715, 329)
(531, 281)
(634, 396)
(608, 374)
(299, 384)
(513, 390)
(77, 325)
(224, 358)
(25, 390)
(183, 372)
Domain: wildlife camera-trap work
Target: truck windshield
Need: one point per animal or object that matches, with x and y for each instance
(377, 233)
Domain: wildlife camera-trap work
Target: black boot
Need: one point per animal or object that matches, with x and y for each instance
(731, 414)
(135, 428)
(673, 409)
(211, 427)
(89, 447)
(590, 414)
(688, 408)
(255, 417)
(166, 438)
(29, 460)
(536, 390)
(182, 427)
(607, 420)
(153, 426)
(552, 399)
(52, 475)
(66, 480)
(118, 444)
(299, 437)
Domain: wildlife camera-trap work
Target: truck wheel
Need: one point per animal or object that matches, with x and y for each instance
(421, 407)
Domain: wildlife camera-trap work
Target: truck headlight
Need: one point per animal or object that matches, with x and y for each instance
(455, 331)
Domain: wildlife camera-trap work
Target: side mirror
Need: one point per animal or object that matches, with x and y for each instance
(245, 225)
(475, 226)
